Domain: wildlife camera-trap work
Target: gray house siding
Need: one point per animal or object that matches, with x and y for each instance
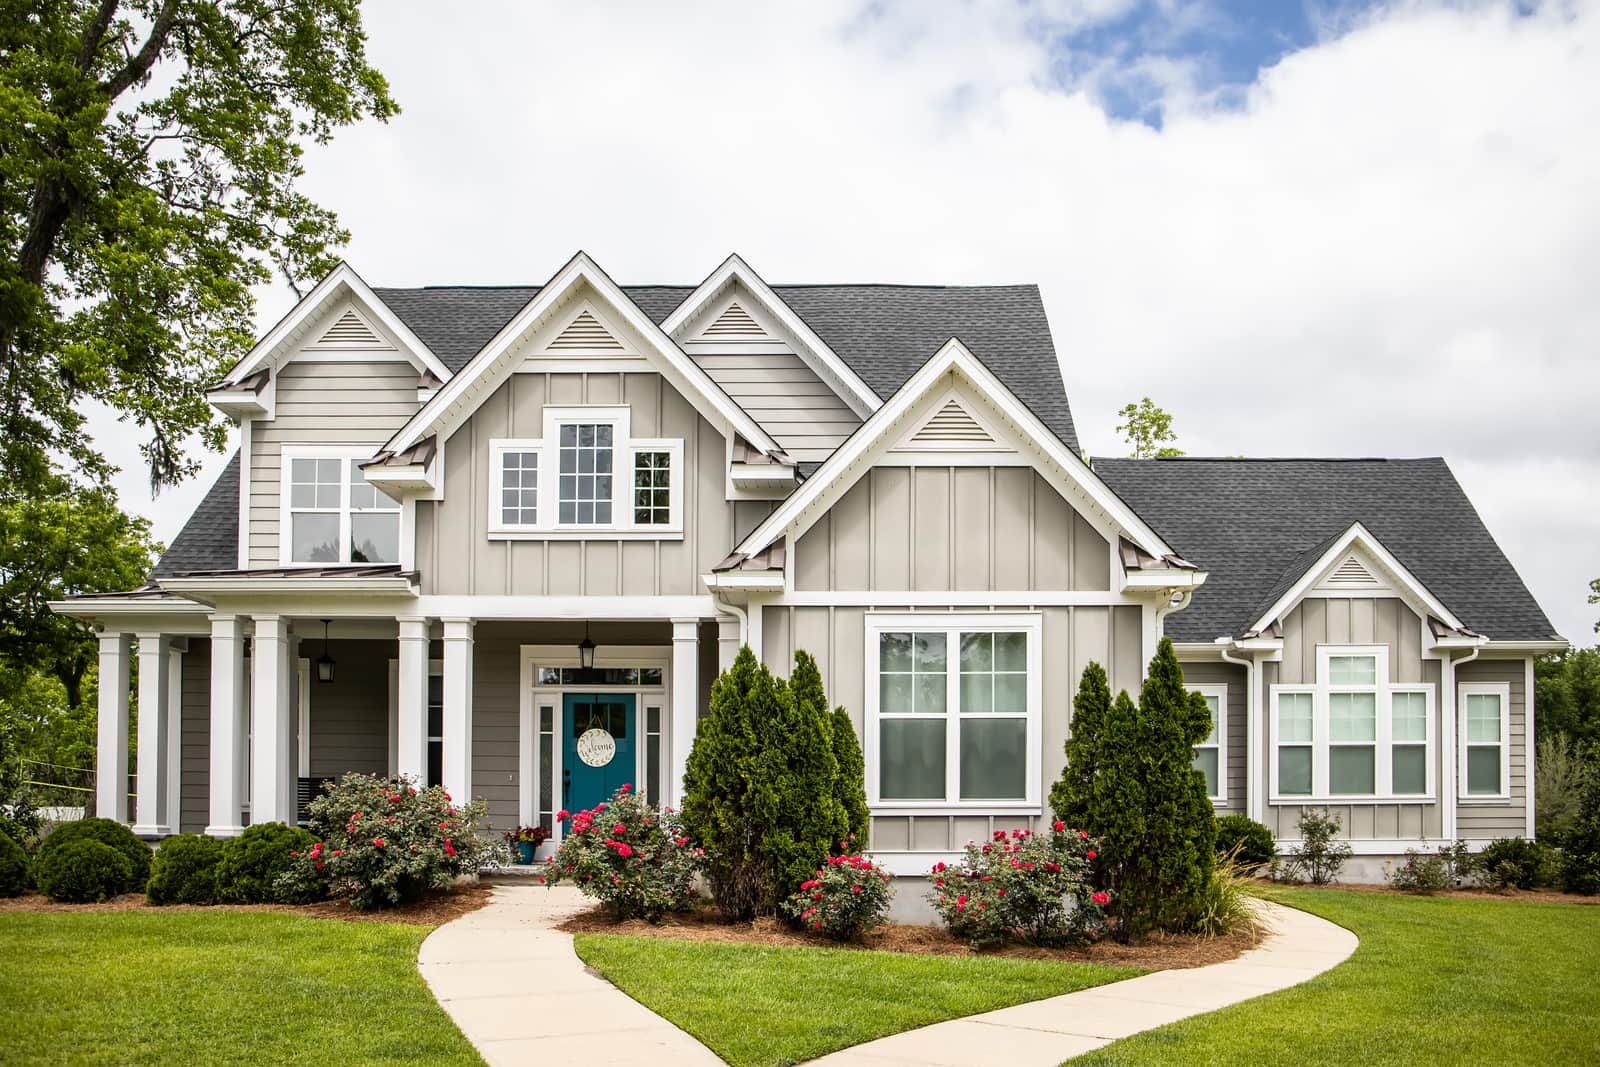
(194, 806)
(1507, 818)
(1236, 772)
(801, 412)
(350, 715)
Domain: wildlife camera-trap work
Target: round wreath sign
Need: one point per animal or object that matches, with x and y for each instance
(597, 747)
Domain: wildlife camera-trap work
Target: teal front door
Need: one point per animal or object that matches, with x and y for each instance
(597, 750)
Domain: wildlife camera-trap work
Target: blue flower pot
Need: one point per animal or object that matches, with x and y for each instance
(525, 852)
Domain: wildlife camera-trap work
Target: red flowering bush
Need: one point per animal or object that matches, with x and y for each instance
(383, 841)
(1022, 886)
(844, 900)
(633, 858)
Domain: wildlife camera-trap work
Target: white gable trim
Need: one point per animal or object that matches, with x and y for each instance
(341, 283)
(863, 448)
(1359, 538)
(813, 349)
(461, 395)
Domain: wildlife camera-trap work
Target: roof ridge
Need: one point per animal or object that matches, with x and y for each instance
(921, 286)
(1271, 459)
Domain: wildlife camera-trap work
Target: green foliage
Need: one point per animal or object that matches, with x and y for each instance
(1580, 848)
(1559, 771)
(1566, 688)
(1072, 796)
(84, 871)
(1517, 863)
(184, 870)
(15, 874)
(110, 833)
(631, 857)
(1225, 901)
(1321, 854)
(148, 184)
(1147, 429)
(1420, 872)
(761, 793)
(843, 900)
(1020, 887)
(1248, 843)
(849, 788)
(252, 862)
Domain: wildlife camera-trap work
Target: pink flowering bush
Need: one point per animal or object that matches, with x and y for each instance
(1021, 886)
(382, 841)
(843, 900)
(635, 859)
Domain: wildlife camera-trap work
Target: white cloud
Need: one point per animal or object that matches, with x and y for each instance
(1387, 246)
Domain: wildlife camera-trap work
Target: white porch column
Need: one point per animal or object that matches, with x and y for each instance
(728, 641)
(270, 735)
(685, 699)
(225, 816)
(457, 709)
(152, 819)
(175, 738)
(411, 679)
(111, 747)
(289, 725)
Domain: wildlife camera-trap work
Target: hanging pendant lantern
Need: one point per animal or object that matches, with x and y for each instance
(325, 661)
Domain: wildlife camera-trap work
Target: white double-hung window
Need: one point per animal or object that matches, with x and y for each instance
(1484, 733)
(586, 475)
(953, 714)
(1352, 733)
(330, 513)
(1211, 754)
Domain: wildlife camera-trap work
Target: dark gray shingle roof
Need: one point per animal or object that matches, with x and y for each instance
(210, 539)
(883, 332)
(1256, 525)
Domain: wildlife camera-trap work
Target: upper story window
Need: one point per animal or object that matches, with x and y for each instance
(587, 476)
(331, 514)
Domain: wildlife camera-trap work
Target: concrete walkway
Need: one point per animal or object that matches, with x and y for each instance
(513, 984)
(1043, 1033)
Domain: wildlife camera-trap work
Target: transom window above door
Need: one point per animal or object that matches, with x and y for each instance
(586, 474)
(330, 513)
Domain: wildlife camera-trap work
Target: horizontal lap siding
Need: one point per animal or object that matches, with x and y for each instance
(786, 397)
(1476, 820)
(195, 736)
(350, 715)
(1236, 722)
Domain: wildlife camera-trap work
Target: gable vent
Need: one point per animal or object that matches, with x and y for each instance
(351, 331)
(735, 324)
(1351, 572)
(586, 332)
(952, 425)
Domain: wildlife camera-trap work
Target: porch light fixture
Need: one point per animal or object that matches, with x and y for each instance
(586, 650)
(325, 661)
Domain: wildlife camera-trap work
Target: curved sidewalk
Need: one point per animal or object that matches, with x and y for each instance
(1043, 1033)
(516, 988)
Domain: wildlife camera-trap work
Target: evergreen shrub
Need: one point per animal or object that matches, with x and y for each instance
(252, 862)
(15, 873)
(1246, 841)
(84, 870)
(107, 832)
(1579, 870)
(184, 870)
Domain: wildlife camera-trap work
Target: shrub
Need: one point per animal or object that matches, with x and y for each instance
(14, 872)
(1460, 862)
(844, 900)
(1072, 796)
(1225, 901)
(1026, 886)
(252, 862)
(1558, 784)
(631, 857)
(1248, 843)
(385, 842)
(1420, 872)
(1580, 848)
(184, 870)
(110, 833)
(84, 870)
(1321, 854)
(1517, 863)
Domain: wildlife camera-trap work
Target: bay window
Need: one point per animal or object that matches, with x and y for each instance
(1484, 730)
(330, 513)
(1211, 754)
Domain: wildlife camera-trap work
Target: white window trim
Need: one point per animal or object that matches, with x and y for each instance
(1503, 691)
(1030, 623)
(1219, 690)
(623, 449)
(347, 456)
(1321, 743)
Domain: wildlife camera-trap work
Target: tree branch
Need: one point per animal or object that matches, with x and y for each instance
(95, 34)
(145, 58)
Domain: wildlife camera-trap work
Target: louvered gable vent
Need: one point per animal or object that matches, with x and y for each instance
(952, 425)
(350, 331)
(1351, 572)
(586, 333)
(735, 324)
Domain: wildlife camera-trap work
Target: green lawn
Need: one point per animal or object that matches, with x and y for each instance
(1446, 980)
(193, 987)
(756, 1006)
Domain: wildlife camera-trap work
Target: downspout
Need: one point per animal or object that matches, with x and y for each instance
(1447, 731)
(1252, 788)
(737, 612)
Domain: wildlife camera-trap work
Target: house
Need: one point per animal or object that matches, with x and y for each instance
(503, 539)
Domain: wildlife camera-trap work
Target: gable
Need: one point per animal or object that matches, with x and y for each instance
(733, 324)
(1355, 573)
(955, 425)
(584, 332)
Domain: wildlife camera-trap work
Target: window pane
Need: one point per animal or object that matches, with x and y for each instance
(314, 537)
(1011, 652)
(1410, 769)
(911, 759)
(1205, 761)
(1410, 712)
(993, 759)
(929, 652)
(931, 697)
(977, 692)
(977, 652)
(1294, 717)
(1352, 769)
(1353, 670)
(1483, 770)
(1483, 717)
(1011, 693)
(651, 478)
(1294, 771)
(546, 763)
(894, 652)
(1216, 718)
(652, 768)
(649, 675)
(375, 537)
(586, 498)
(1353, 717)
(364, 494)
(435, 762)
(894, 694)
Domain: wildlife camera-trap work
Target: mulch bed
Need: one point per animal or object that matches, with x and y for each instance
(434, 909)
(1159, 952)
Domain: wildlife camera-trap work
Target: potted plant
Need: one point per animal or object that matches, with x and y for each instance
(525, 839)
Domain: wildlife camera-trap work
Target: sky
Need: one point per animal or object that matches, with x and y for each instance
(1324, 229)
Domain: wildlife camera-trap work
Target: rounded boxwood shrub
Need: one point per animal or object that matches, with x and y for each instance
(252, 862)
(1516, 862)
(13, 868)
(83, 871)
(184, 870)
(107, 832)
(1253, 842)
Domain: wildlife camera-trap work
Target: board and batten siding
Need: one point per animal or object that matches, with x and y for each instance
(1235, 773)
(1072, 636)
(321, 403)
(1356, 621)
(1486, 820)
(785, 396)
(457, 556)
(952, 528)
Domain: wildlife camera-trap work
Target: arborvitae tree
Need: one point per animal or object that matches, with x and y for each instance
(797, 807)
(849, 784)
(1071, 797)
